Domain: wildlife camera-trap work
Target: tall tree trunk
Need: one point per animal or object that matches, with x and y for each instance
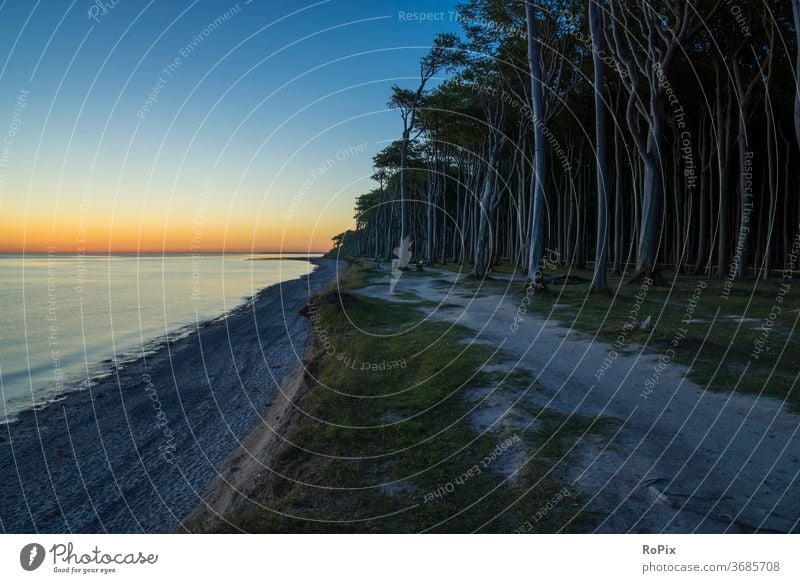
(488, 206)
(599, 281)
(772, 170)
(703, 193)
(796, 12)
(652, 196)
(618, 219)
(538, 223)
(724, 116)
(404, 245)
(786, 197)
(429, 214)
(379, 228)
(745, 193)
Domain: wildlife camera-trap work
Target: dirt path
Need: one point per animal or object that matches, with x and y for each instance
(683, 459)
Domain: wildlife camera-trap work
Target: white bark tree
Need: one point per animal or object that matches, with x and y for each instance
(539, 164)
(645, 45)
(599, 281)
(445, 53)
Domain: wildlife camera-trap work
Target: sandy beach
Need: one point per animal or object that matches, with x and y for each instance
(135, 452)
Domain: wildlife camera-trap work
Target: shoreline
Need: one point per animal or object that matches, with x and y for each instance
(108, 366)
(691, 459)
(134, 451)
(230, 490)
(93, 368)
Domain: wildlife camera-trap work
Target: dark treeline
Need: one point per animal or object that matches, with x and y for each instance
(619, 135)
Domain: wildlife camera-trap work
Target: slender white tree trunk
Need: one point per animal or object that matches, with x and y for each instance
(538, 179)
(796, 10)
(488, 205)
(601, 247)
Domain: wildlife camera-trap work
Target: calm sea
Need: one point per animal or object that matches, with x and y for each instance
(66, 319)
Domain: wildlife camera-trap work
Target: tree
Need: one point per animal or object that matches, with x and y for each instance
(539, 176)
(645, 46)
(445, 53)
(741, 64)
(490, 195)
(601, 248)
(515, 142)
(796, 13)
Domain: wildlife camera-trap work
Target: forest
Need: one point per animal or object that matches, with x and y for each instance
(618, 136)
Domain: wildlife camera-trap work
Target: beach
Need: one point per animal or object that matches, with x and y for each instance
(136, 450)
(505, 418)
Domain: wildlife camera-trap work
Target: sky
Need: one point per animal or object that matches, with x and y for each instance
(197, 126)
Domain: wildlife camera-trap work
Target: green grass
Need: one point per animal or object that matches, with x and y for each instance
(373, 444)
(715, 344)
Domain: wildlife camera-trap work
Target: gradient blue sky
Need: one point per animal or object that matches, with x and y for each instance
(226, 152)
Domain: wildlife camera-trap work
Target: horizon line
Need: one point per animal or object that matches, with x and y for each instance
(166, 252)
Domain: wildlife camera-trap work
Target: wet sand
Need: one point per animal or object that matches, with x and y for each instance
(135, 452)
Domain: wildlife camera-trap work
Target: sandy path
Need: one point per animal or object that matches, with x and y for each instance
(683, 460)
(134, 453)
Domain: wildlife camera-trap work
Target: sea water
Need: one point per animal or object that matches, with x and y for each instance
(65, 320)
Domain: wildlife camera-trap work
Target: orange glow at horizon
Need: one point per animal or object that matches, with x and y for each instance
(93, 236)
